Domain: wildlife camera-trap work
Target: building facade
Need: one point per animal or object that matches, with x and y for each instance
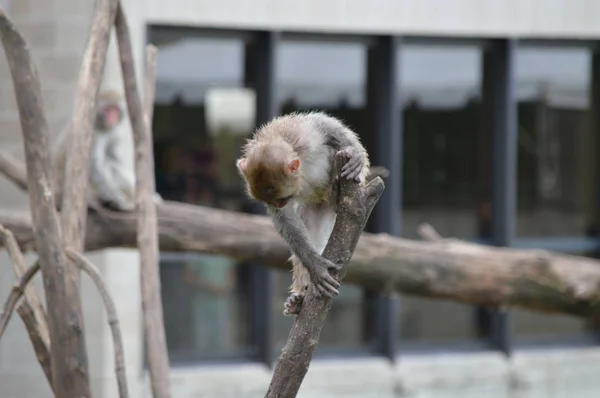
(484, 112)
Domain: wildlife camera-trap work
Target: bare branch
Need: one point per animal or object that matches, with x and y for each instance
(31, 309)
(428, 233)
(13, 170)
(69, 373)
(14, 296)
(355, 206)
(147, 236)
(31, 295)
(111, 312)
(40, 343)
(377, 171)
(450, 269)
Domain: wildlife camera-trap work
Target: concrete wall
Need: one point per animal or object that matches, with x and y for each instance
(526, 18)
(533, 374)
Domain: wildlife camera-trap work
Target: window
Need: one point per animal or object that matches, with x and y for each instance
(310, 78)
(554, 197)
(200, 120)
(556, 159)
(440, 87)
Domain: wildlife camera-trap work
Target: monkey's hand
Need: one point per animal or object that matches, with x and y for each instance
(324, 282)
(354, 165)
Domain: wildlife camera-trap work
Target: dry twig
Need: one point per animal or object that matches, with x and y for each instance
(355, 206)
(31, 309)
(111, 313)
(147, 236)
(39, 342)
(14, 296)
(13, 170)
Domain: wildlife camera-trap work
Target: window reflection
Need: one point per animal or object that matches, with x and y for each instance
(552, 89)
(199, 124)
(309, 78)
(555, 189)
(440, 87)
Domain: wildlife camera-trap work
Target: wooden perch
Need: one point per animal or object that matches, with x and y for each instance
(147, 235)
(354, 208)
(449, 269)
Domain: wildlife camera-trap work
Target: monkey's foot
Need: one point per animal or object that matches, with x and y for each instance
(293, 303)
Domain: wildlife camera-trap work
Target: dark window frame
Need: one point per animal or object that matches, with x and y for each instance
(499, 115)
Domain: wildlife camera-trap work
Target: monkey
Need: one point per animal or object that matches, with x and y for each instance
(288, 166)
(112, 174)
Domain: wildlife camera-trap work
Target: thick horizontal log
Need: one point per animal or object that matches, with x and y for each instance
(448, 269)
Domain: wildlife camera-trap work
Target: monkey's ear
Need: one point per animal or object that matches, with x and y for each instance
(292, 166)
(241, 165)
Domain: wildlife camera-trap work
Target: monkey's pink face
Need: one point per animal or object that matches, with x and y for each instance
(274, 186)
(108, 117)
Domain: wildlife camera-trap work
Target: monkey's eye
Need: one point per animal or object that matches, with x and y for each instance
(269, 190)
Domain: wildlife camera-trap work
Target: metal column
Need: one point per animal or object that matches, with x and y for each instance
(385, 147)
(259, 74)
(500, 120)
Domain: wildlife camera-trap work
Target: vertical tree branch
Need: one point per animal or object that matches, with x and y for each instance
(69, 378)
(354, 209)
(40, 343)
(147, 235)
(74, 198)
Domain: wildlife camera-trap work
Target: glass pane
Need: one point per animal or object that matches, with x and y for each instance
(440, 86)
(196, 141)
(310, 79)
(555, 197)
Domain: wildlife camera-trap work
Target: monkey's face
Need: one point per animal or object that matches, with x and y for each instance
(273, 184)
(108, 117)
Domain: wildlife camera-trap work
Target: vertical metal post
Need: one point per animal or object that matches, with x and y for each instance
(594, 160)
(500, 107)
(385, 146)
(259, 74)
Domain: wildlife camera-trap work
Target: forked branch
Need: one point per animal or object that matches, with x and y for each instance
(355, 206)
(83, 264)
(47, 234)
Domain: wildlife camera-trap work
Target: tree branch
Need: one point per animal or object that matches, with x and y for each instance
(70, 375)
(40, 343)
(75, 198)
(111, 312)
(31, 309)
(14, 170)
(450, 269)
(14, 296)
(147, 236)
(354, 209)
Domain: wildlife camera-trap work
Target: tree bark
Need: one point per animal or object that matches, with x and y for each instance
(74, 201)
(447, 269)
(68, 354)
(147, 235)
(354, 208)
